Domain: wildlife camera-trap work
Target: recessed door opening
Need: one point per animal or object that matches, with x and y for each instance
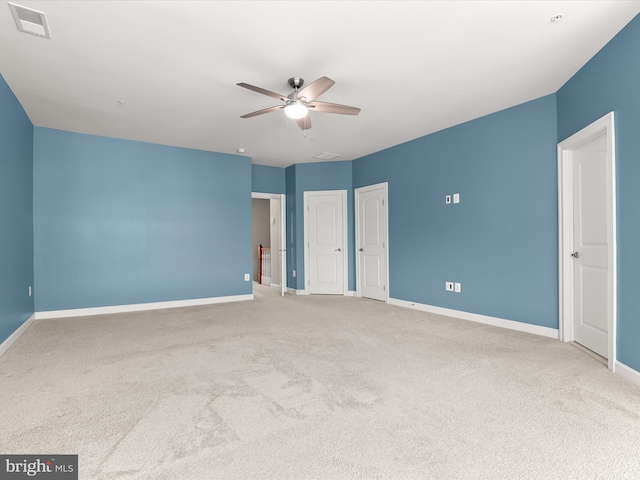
(269, 231)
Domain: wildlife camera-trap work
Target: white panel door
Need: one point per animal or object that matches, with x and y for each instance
(325, 242)
(592, 295)
(372, 237)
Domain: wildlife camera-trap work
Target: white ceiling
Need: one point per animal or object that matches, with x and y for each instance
(412, 67)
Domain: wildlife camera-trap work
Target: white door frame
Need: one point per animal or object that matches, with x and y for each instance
(357, 192)
(283, 234)
(565, 229)
(345, 256)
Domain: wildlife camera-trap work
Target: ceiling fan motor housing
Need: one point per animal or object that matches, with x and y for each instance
(296, 82)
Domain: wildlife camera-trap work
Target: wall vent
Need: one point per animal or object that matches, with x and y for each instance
(327, 156)
(30, 21)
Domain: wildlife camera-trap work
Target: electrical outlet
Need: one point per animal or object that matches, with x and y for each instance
(247, 277)
(30, 291)
(448, 286)
(457, 287)
(456, 198)
(447, 199)
(294, 274)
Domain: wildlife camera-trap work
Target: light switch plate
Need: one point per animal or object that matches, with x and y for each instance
(448, 286)
(447, 199)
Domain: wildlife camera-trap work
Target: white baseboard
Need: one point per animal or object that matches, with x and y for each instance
(4, 346)
(82, 312)
(475, 317)
(293, 291)
(627, 373)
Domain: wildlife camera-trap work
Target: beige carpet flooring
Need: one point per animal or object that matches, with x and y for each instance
(313, 388)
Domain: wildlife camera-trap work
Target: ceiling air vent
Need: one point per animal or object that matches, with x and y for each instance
(30, 21)
(327, 156)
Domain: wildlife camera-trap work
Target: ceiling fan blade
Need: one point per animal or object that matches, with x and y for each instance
(333, 108)
(263, 111)
(304, 123)
(315, 89)
(262, 91)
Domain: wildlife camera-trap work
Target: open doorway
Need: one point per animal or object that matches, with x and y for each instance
(261, 238)
(268, 225)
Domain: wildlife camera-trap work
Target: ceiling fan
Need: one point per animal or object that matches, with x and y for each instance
(299, 102)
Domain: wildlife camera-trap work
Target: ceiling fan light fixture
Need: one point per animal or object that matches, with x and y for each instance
(298, 103)
(296, 110)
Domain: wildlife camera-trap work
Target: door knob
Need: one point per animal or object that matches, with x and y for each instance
(361, 249)
(338, 250)
(575, 255)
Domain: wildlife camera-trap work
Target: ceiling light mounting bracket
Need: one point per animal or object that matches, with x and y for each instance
(296, 82)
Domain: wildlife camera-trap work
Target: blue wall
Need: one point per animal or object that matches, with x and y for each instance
(122, 222)
(266, 179)
(321, 176)
(16, 213)
(500, 242)
(292, 254)
(610, 82)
